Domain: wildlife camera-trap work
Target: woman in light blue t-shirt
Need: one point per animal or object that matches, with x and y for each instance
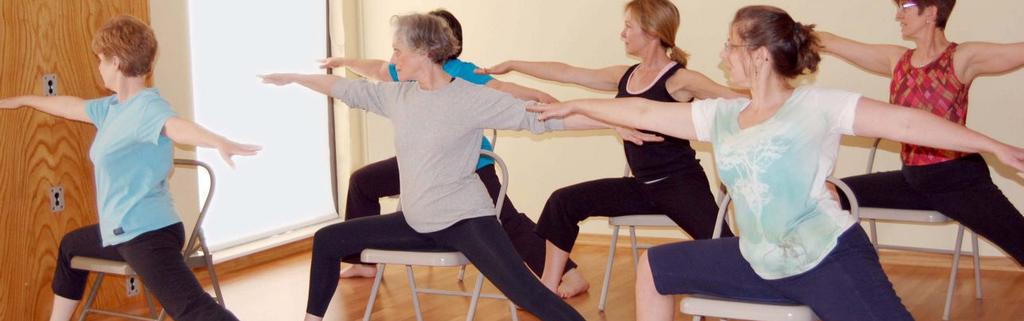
(132, 155)
(774, 152)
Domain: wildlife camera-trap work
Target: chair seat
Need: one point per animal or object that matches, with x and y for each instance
(889, 214)
(414, 258)
(101, 265)
(641, 220)
(724, 308)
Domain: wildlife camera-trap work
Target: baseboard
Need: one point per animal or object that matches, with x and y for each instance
(253, 259)
(895, 257)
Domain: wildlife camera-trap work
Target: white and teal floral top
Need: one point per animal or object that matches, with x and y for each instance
(775, 172)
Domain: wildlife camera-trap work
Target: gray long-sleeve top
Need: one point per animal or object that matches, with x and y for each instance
(437, 141)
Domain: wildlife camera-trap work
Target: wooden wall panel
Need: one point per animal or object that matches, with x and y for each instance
(38, 151)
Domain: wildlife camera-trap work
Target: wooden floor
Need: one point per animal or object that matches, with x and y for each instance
(277, 291)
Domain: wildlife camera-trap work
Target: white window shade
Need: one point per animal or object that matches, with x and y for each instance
(288, 185)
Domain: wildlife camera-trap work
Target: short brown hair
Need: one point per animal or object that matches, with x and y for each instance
(943, 9)
(428, 33)
(660, 18)
(793, 46)
(130, 40)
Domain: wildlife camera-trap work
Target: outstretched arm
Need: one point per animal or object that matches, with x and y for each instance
(698, 85)
(360, 94)
(318, 83)
(877, 119)
(581, 122)
(188, 133)
(370, 68)
(521, 92)
(879, 59)
(606, 79)
(984, 58)
(63, 106)
(673, 119)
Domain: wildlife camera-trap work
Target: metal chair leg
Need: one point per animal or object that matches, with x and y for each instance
(92, 296)
(512, 310)
(977, 265)
(415, 293)
(608, 269)
(214, 281)
(874, 234)
(462, 273)
(149, 303)
(475, 299)
(953, 272)
(373, 292)
(633, 246)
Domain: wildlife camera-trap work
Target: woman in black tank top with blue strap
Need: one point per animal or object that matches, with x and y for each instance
(668, 178)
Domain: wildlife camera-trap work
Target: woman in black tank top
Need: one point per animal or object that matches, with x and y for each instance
(669, 179)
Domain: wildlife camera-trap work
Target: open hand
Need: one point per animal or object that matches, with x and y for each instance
(1012, 156)
(278, 79)
(332, 62)
(499, 69)
(229, 149)
(547, 111)
(547, 99)
(636, 136)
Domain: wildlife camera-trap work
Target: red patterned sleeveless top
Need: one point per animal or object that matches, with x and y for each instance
(934, 88)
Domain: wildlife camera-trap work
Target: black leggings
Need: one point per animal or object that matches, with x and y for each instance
(960, 189)
(155, 256)
(685, 197)
(479, 239)
(371, 182)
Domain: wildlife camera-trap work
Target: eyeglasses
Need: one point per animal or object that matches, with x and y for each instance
(907, 4)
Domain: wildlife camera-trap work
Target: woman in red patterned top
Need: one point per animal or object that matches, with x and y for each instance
(936, 76)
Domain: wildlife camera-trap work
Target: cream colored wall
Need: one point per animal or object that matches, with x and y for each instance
(585, 33)
(169, 20)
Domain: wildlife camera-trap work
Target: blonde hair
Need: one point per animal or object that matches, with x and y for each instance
(661, 19)
(130, 40)
(428, 33)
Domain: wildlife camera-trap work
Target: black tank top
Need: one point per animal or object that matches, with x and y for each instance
(654, 160)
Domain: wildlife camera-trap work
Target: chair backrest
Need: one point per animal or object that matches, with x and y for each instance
(871, 155)
(197, 240)
(723, 206)
(494, 138)
(503, 173)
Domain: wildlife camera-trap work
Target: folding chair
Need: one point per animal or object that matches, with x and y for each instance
(632, 222)
(874, 214)
(196, 255)
(435, 259)
(708, 306)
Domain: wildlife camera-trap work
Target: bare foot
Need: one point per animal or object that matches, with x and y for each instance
(359, 271)
(551, 284)
(573, 284)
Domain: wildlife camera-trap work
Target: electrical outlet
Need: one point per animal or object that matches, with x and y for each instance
(50, 85)
(57, 199)
(132, 285)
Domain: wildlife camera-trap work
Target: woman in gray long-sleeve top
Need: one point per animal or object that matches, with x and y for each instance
(437, 121)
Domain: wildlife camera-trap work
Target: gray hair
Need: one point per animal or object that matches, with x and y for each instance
(428, 33)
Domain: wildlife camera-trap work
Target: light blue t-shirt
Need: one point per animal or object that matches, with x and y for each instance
(132, 160)
(466, 71)
(775, 172)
